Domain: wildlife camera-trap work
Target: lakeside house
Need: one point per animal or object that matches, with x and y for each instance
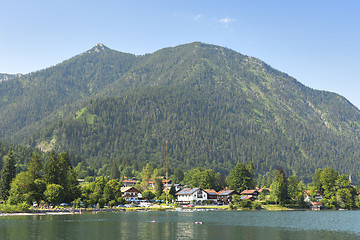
(308, 197)
(315, 206)
(131, 194)
(212, 195)
(226, 196)
(191, 195)
(263, 191)
(250, 193)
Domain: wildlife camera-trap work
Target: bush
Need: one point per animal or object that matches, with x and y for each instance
(121, 200)
(232, 206)
(102, 202)
(256, 205)
(244, 204)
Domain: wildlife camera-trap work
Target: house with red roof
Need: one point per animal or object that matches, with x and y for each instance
(129, 183)
(212, 195)
(252, 193)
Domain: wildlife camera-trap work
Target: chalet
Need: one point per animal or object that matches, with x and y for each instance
(264, 191)
(249, 197)
(191, 195)
(212, 195)
(308, 197)
(129, 183)
(315, 205)
(226, 196)
(253, 193)
(131, 194)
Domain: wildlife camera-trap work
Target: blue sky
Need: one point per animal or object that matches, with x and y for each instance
(317, 42)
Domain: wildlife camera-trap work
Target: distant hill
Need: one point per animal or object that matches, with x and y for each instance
(216, 108)
(5, 76)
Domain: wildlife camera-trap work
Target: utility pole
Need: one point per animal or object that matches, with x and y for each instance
(166, 178)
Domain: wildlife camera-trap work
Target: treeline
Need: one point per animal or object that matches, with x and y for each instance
(56, 181)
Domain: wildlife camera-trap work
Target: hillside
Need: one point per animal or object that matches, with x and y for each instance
(31, 102)
(216, 107)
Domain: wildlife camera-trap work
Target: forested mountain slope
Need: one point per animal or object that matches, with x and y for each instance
(32, 101)
(216, 108)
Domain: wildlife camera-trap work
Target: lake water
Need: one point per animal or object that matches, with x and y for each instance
(221, 225)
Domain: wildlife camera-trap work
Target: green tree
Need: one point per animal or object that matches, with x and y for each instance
(51, 169)
(112, 190)
(240, 178)
(158, 187)
(344, 198)
(7, 174)
(279, 187)
(35, 167)
(293, 186)
(98, 191)
(149, 195)
(178, 175)
(54, 193)
(21, 188)
(114, 171)
(172, 190)
(327, 179)
(145, 176)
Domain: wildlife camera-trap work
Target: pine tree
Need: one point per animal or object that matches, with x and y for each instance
(7, 174)
(51, 169)
(35, 168)
(114, 171)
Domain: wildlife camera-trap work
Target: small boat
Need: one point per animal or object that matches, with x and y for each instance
(198, 222)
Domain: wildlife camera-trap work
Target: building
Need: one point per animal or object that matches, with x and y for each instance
(253, 193)
(212, 195)
(308, 197)
(129, 183)
(226, 196)
(131, 194)
(191, 195)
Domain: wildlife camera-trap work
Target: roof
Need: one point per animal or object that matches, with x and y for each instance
(129, 181)
(262, 189)
(210, 191)
(225, 192)
(126, 189)
(187, 191)
(246, 197)
(248, 192)
(317, 192)
(316, 203)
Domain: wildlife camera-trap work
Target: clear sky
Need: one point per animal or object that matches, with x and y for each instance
(317, 42)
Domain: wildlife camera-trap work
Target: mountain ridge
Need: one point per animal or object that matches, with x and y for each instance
(221, 106)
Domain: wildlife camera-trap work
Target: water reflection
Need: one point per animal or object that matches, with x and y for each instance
(174, 225)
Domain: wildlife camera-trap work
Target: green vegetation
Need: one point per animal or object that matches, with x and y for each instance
(217, 108)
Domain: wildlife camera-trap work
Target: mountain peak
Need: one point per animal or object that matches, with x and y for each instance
(99, 48)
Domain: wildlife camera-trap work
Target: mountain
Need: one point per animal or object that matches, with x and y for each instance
(214, 106)
(5, 76)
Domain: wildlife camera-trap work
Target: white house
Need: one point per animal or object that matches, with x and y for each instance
(131, 194)
(318, 196)
(191, 195)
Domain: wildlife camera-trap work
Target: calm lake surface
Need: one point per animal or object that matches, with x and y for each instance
(181, 225)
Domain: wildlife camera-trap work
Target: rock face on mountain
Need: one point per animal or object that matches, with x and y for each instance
(216, 108)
